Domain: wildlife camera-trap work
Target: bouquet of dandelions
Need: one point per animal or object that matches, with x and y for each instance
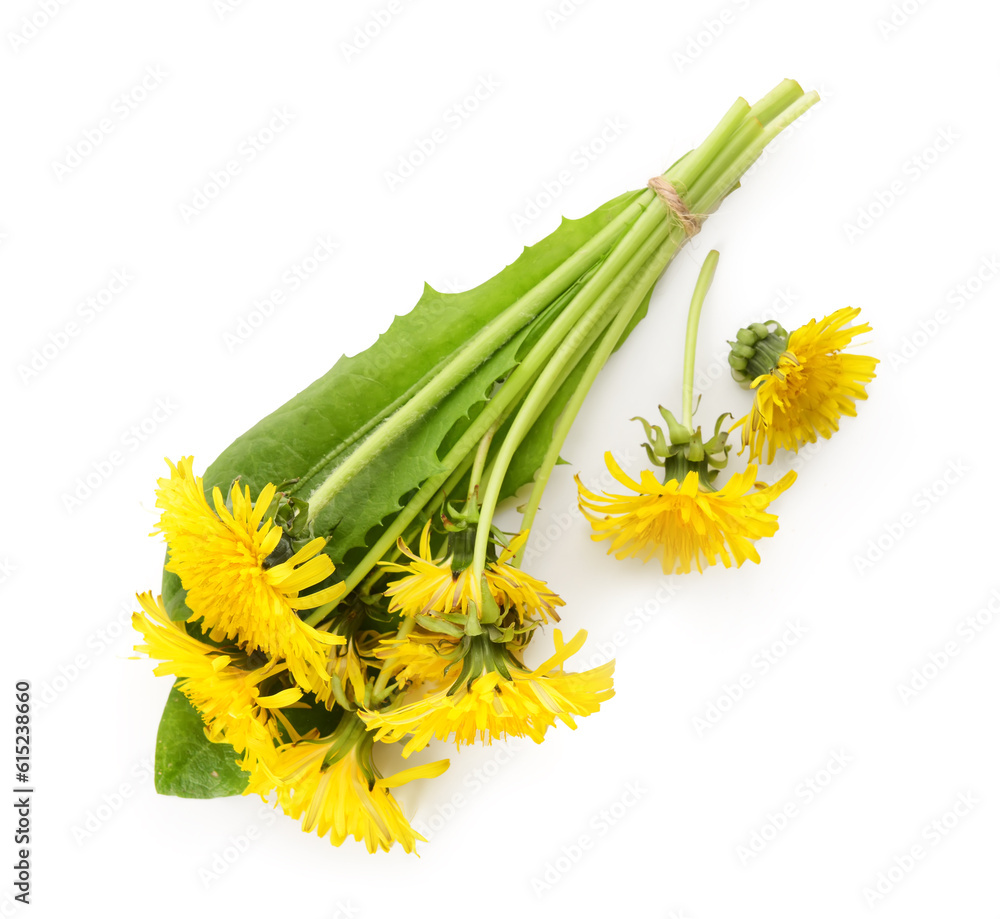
(335, 580)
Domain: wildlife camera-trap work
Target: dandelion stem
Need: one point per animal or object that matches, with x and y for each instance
(472, 501)
(691, 338)
(626, 264)
(609, 341)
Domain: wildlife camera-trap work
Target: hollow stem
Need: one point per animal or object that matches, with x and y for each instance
(472, 500)
(603, 312)
(609, 341)
(704, 282)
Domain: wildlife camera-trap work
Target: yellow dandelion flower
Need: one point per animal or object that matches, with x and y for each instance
(224, 689)
(419, 658)
(349, 664)
(220, 557)
(813, 384)
(431, 586)
(518, 590)
(333, 786)
(681, 522)
(489, 704)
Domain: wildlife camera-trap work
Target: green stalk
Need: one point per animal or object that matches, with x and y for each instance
(747, 132)
(691, 338)
(609, 342)
(528, 417)
(725, 183)
(771, 105)
(544, 388)
(472, 500)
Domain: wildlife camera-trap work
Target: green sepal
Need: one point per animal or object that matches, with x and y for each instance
(491, 611)
(440, 625)
(472, 626)
(656, 443)
(679, 433)
(706, 457)
(501, 636)
(756, 350)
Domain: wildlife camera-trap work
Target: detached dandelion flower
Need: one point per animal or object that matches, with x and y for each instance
(225, 689)
(223, 560)
(333, 786)
(496, 696)
(683, 523)
(685, 520)
(803, 382)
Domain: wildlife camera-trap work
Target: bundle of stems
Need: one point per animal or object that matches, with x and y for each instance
(464, 401)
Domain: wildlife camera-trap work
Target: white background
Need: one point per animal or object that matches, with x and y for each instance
(855, 206)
